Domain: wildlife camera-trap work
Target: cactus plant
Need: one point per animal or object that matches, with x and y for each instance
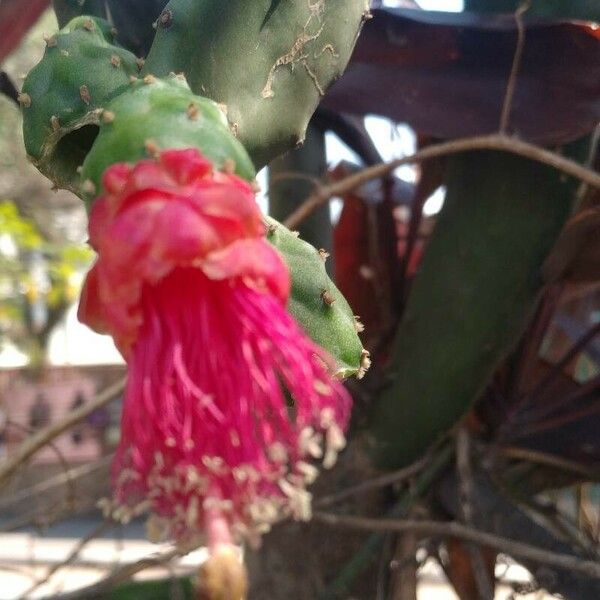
(62, 96)
(477, 287)
(213, 320)
(161, 114)
(268, 61)
(317, 304)
(156, 114)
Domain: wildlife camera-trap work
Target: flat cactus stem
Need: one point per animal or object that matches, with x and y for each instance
(64, 94)
(133, 19)
(317, 304)
(153, 115)
(268, 61)
(478, 285)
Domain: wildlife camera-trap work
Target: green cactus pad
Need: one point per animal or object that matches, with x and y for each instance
(317, 305)
(155, 114)
(476, 289)
(268, 61)
(80, 72)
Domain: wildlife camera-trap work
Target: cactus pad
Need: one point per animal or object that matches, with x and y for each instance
(268, 61)
(80, 72)
(155, 114)
(317, 304)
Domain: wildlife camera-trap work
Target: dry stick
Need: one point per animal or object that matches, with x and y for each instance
(61, 459)
(549, 460)
(496, 141)
(125, 573)
(485, 585)
(374, 483)
(31, 445)
(57, 513)
(67, 477)
(99, 530)
(453, 529)
(516, 65)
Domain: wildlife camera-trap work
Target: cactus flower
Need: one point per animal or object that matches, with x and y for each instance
(228, 403)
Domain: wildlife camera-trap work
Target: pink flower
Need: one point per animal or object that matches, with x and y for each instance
(228, 402)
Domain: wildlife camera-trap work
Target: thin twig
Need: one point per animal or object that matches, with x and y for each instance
(500, 142)
(485, 584)
(58, 512)
(43, 437)
(556, 462)
(71, 493)
(67, 477)
(516, 65)
(453, 529)
(293, 175)
(373, 484)
(560, 421)
(99, 530)
(125, 573)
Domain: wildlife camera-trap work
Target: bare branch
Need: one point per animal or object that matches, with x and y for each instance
(516, 65)
(500, 142)
(99, 530)
(483, 580)
(373, 484)
(549, 460)
(125, 573)
(67, 477)
(453, 529)
(43, 437)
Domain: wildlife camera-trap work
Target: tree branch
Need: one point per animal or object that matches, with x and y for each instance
(31, 445)
(125, 573)
(374, 483)
(516, 65)
(500, 142)
(453, 529)
(99, 530)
